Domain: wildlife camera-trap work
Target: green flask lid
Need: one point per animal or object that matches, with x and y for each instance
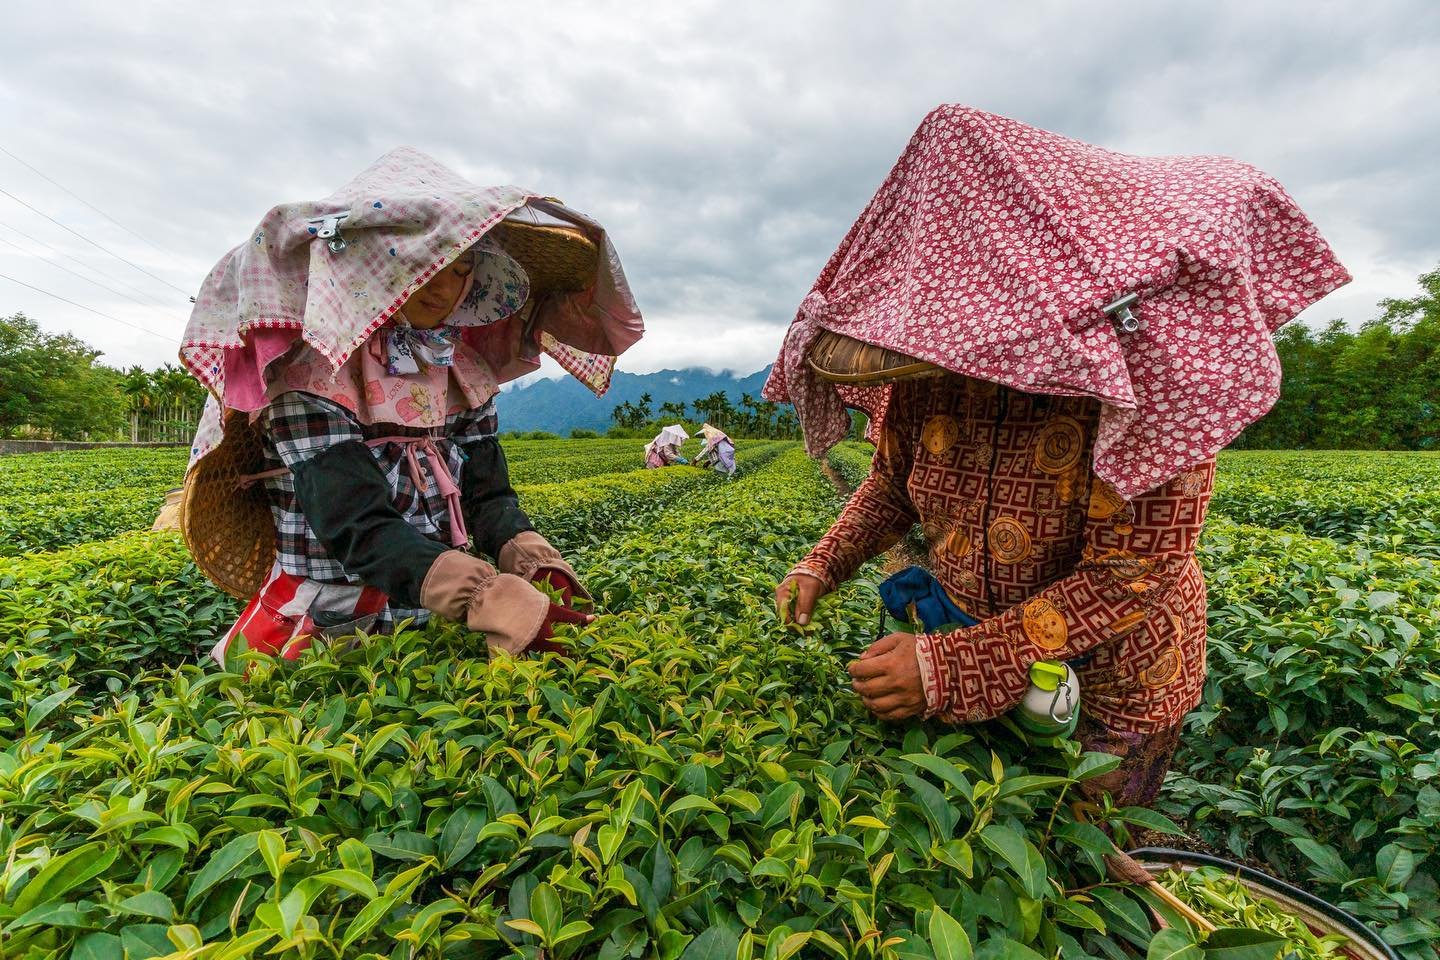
(1048, 674)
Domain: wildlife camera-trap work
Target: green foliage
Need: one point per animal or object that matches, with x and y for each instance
(50, 500)
(1374, 388)
(698, 781)
(51, 385)
(1384, 501)
(52, 388)
(752, 418)
(162, 404)
(1317, 749)
(852, 461)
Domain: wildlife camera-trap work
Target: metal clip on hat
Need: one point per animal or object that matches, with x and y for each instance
(1119, 310)
(327, 228)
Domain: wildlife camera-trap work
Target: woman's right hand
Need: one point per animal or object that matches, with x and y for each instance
(795, 597)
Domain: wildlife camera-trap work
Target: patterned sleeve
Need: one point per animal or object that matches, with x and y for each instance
(879, 512)
(1137, 574)
(302, 426)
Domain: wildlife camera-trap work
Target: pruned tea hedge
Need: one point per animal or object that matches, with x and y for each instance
(697, 781)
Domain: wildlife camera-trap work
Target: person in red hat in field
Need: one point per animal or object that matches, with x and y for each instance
(1052, 341)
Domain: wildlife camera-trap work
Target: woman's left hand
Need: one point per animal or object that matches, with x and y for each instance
(887, 677)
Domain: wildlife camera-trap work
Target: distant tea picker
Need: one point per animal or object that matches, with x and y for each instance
(1052, 341)
(664, 450)
(353, 347)
(717, 452)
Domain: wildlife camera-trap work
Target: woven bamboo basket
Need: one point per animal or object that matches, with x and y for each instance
(558, 259)
(843, 359)
(1323, 918)
(169, 515)
(227, 524)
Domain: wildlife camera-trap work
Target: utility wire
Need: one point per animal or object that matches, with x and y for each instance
(61, 266)
(155, 301)
(72, 193)
(93, 243)
(56, 296)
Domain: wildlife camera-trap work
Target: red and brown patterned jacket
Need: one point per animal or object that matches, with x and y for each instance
(1027, 539)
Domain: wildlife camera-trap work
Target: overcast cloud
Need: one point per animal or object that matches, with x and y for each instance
(727, 146)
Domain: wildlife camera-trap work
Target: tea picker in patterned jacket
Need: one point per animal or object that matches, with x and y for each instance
(347, 460)
(1052, 342)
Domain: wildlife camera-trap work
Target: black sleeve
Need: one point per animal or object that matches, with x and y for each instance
(492, 510)
(346, 500)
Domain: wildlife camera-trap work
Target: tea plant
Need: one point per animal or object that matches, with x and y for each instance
(1317, 749)
(698, 781)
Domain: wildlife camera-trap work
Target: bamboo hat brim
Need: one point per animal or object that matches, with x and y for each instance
(558, 257)
(226, 523)
(841, 359)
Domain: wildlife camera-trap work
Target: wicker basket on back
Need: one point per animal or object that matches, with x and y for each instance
(842, 359)
(226, 521)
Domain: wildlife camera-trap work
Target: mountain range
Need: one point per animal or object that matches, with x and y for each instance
(564, 404)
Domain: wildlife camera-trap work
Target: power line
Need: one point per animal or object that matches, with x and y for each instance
(72, 193)
(98, 313)
(154, 301)
(61, 266)
(93, 243)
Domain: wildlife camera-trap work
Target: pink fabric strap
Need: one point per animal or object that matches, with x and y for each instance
(440, 473)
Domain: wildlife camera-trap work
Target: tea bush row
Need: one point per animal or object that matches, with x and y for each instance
(84, 471)
(1314, 753)
(45, 521)
(1383, 500)
(574, 460)
(114, 608)
(1317, 748)
(852, 461)
(697, 783)
(110, 491)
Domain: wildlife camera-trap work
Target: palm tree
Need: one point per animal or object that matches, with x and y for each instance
(139, 390)
(716, 409)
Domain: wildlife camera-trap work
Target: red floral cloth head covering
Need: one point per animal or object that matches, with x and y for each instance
(991, 249)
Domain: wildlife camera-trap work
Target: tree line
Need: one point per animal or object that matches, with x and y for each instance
(752, 418)
(52, 387)
(1374, 388)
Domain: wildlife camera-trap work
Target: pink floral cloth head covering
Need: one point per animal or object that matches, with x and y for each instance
(329, 273)
(993, 247)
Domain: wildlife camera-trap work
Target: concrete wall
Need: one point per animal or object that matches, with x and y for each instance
(48, 446)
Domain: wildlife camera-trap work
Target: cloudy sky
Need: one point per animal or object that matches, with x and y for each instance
(727, 146)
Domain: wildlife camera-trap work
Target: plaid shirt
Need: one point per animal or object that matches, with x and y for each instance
(299, 426)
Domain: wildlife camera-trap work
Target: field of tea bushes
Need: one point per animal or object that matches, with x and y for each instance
(696, 782)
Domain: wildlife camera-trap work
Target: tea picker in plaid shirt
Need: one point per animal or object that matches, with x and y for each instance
(357, 405)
